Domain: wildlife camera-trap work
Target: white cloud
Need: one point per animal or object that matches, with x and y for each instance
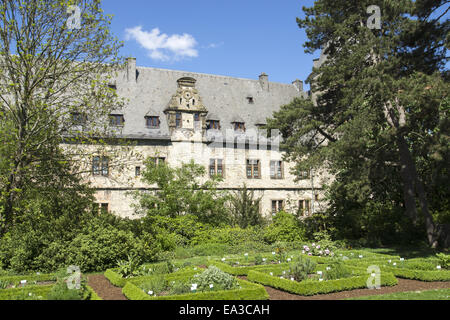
(162, 47)
(213, 45)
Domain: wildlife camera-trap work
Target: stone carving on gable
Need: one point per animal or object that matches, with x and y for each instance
(187, 102)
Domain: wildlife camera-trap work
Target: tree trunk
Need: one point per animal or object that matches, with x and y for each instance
(412, 183)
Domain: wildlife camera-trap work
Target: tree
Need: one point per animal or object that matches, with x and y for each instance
(245, 208)
(378, 101)
(183, 191)
(54, 88)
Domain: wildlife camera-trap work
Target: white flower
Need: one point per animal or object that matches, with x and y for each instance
(288, 259)
(273, 252)
(328, 268)
(264, 259)
(223, 259)
(313, 244)
(320, 252)
(394, 264)
(211, 286)
(292, 279)
(194, 287)
(438, 267)
(150, 293)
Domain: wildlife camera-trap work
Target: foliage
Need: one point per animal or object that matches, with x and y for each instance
(180, 192)
(444, 260)
(130, 267)
(258, 259)
(156, 284)
(336, 270)
(301, 268)
(219, 279)
(61, 290)
(382, 134)
(245, 208)
(284, 227)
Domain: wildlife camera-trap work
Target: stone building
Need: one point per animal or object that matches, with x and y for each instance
(176, 116)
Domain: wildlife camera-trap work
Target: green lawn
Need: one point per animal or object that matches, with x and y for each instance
(441, 294)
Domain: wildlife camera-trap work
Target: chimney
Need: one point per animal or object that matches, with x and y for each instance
(264, 81)
(298, 84)
(131, 69)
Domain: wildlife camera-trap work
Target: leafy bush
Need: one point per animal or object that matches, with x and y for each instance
(61, 291)
(219, 279)
(301, 268)
(444, 260)
(156, 284)
(130, 267)
(258, 259)
(336, 270)
(285, 227)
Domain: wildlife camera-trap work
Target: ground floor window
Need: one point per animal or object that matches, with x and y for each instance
(277, 206)
(304, 207)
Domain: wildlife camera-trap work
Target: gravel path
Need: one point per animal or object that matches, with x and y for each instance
(104, 288)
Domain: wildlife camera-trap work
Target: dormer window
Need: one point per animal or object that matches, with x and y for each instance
(239, 126)
(152, 122)
(116, 120)
(213, 125)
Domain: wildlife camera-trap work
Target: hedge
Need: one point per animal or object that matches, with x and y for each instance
(93, 294)
(422, 275)
(29, 278)
(117, 280)
(248, 291)
(244, 270)
(14, 293)
(308, 288)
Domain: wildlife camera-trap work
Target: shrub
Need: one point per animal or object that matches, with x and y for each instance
(258, 259)
(130, 267)
(285, 227)
(300, 269)
(156, 284)
(216, 277)
(444, 260)
(336, 270)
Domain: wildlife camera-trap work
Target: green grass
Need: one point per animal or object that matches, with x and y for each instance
(441, 294)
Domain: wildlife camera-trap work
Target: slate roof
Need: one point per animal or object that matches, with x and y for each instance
(224, 97)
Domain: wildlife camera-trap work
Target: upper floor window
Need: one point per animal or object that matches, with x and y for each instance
(253, 169)
(250, 100)
(152, 122)
(196, 117)
(178, 120)
(116, 120)
(305, 174)
(100, 166)
(213, 124)
(239, 126)
(276, 169)
(216, 167)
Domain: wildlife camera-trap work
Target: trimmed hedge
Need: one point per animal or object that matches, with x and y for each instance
(422, 275)
(93, 294)
(14, 293)
(243, 271)
(248, 291)
(308, 288)
(117, 280)
(29, 278)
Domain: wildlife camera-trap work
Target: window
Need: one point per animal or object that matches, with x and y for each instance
(253, 169)
(277, 206)
(196, 117)
(304, 207)
(239, 126)
(158, 160)
(250, 100)
(78, 118)
(137, 171)
(304, 174)
(276, 169)
(152, 122)
(104, 207)
(213, 124)
(112, 86)
(100, 166)
(216, 167)
(116, 120)
(178, 120)
(316, 197)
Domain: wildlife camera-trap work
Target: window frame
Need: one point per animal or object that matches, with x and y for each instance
(152, 124)
(100, 166)
(113, 120)
(250, 167)
(276, 171)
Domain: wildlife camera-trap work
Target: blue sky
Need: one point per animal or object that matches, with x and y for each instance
(238, 38)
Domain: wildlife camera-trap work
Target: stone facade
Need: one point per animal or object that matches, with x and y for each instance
(179, 116)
